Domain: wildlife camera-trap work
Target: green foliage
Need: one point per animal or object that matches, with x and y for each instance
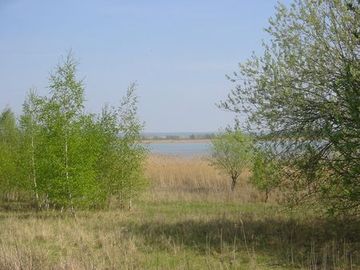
(232, 152)
(29, 144)
(304, 91)
(72, 181)
(62, 157)
(265, 172)
(9, 150)
(123, 156)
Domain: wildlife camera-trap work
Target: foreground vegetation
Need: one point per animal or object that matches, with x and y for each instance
(188, 219)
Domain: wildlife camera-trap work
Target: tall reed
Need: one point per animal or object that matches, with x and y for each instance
(192, 178)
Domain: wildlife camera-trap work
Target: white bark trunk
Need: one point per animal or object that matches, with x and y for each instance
(67, 175)
(34, 169)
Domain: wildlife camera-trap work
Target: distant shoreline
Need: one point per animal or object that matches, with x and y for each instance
(150, 141)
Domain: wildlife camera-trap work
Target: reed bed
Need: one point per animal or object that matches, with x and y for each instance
(193, 179)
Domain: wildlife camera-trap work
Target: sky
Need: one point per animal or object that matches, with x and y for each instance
(178, 53)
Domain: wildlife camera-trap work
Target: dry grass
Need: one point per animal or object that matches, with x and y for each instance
(52, 242)
(177, 236)
(190, 179)
(186, 220)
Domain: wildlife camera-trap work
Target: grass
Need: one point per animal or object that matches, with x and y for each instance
(192, 179)
(186, 220)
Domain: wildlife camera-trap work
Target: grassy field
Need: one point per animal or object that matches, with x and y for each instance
(187, 219)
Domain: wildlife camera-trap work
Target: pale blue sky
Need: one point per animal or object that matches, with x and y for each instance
(177, 51)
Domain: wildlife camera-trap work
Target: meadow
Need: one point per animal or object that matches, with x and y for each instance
(186, 219)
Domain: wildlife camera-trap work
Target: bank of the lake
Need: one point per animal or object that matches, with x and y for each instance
(147, 141)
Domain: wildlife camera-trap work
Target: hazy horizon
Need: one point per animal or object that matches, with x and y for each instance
(178, 53)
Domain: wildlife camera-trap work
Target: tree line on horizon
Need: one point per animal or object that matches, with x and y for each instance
(57, 156)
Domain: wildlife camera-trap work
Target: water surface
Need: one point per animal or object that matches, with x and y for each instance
(180, 148)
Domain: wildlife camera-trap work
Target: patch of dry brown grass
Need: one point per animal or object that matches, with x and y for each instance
(177, 236)
(55, 242)
(189, 179)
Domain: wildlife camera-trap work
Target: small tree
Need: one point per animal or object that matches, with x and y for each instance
(66, 156)
(231, 153)
(265, 173)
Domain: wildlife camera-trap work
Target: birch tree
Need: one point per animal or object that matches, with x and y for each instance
(69, 168)
(123, 155)
(9, 150)
(64, 158)
(30, 140)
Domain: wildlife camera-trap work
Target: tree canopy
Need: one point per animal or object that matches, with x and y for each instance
(231, 152)
(303, 93)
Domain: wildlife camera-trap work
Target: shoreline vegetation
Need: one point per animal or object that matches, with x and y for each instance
(182, 140)
(178, 137)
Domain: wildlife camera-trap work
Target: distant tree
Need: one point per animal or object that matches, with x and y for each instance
(209, 136)
(231, 152)
(304, 93)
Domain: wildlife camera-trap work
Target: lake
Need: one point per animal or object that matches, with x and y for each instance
(191, 148)
(180, 148)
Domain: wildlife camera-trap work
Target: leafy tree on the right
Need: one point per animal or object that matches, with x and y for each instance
(304, 94)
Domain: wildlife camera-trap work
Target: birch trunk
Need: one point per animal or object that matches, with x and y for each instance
(67, 174)
(34, 170)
